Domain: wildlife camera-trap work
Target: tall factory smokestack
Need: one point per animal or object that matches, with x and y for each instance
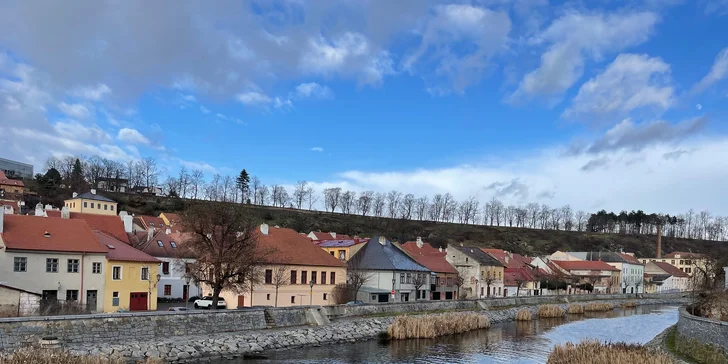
(659, 240)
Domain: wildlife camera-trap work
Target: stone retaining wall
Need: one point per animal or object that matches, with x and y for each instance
(701, 336)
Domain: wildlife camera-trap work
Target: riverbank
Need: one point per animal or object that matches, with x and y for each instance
(197, 348)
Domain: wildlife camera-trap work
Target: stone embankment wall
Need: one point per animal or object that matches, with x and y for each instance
(703, 339)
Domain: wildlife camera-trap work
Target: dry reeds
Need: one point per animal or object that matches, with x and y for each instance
(597, 307)
(546, 311)
(591, 352)
(629, 304)
(48, 356)
(430, 326)
(575, 309)
(523, 315)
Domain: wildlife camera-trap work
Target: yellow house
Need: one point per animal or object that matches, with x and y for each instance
(685, 261)
(131, 277)
(170, 219)
(91, 203)
(341, 249)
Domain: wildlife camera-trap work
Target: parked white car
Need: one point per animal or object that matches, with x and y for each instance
(206, 302)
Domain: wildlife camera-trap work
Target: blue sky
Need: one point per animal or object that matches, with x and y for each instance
(616, 105)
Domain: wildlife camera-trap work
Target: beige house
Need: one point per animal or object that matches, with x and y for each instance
(303, 274)
(483, 275)
(685, 261)
(91, 203)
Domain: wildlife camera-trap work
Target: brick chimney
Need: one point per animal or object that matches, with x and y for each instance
(419, 242)
(264, 229)
(659, 240)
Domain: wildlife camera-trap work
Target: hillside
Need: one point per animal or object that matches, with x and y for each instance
(518, 240)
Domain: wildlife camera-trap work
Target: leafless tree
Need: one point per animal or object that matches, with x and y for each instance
(421, 205)
(356, 278)
(449, 205)
(521, 216)
(197, 178)
(299, 193)
(93, 170)
(567, 216)
(280, 196)
(255, 187)
(170, 186)
(183, 180)
(407, 206)
(280, 276)
(510, 215)
(393, 200)
(544, 215)
(332, 197)
(379, 203)
(364, 204)
(263, 194)
(581, 218)
(348, 201)
(229, 192)
(150, 173)
(497, 211)
(533, 210)
(436, 207)
(311, 197)
(418, 281)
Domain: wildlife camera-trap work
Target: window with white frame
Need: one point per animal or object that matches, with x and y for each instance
(116, 273)
(145, 273)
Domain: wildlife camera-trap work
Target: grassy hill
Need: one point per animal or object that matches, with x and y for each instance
(517, 240)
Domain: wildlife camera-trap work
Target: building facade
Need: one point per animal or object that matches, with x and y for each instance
(16, 169)
(603, 277)
(685, 261)
(482, 275)
(444, 278)
(91, 203)
(631, 270)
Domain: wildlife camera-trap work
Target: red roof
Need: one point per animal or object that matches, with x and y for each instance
(584, 265)
(513, 261)
(4, 180)
(160, 245)
(327, 236)
(511, 278)
(150, 221)
(671, 269)
(293, 248)
(29, 233)
(14, 204)
(110, 224)
(430, 257)
(630, 258)
(684, 255)
(120, 251)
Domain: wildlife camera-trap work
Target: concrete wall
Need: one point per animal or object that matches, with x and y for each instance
(703, 330)
(18, 303)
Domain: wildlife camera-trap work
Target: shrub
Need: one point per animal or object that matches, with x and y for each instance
(597, 307)
(430, 326)
(629, 304)
(545, 311)
(575, 309)
(36, 356)
(592, 352)
(523, 315)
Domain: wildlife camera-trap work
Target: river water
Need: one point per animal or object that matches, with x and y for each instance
(511, 342)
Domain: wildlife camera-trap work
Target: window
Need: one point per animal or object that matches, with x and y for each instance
(165, 267)
(92, 205)
(672, 262)
(72, 295)
(682, 262)
(326, 297)
(401, 278)
(294, 276)
(323, 277)
(112, 207)
(313, 277)
(268, 276)
(167, 289)
(145, 273)
(21, 264)
(342, 254)
(72, 266)
(85, 204)
(160, 243)
(293, 299)
(466, 260)
(267, 296)
(106, 206)
(332, 278)
(409, 278)
(52, 265)
(304, 277)
(96, 268)
(116, 273)
(151, 224)
(115, 299)
(332, 253)
(449, 281)
(173, 244)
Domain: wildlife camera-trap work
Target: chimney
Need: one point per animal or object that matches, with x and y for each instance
(128, 223)
(93, 191)
(39, 209)
(419, 242)
(264, 229)
(333, 234)
(507, 258)
(382, 240)
(65, 213)
(440, 249)
(2, 219)
(150, 234)
(168, 231)
(49, 207)
(659, 240)
(75, 195)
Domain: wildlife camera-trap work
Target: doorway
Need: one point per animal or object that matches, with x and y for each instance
(138, 301)
(241, 301)
(91, 300)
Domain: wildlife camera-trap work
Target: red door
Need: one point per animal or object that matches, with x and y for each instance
(241, 301)
(138, 301)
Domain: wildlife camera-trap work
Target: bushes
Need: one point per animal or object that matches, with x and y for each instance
(575, 309)
(591, 352)
(597, 307)
(546, 311)
(430, 326)
(35, 356)
(523, 315)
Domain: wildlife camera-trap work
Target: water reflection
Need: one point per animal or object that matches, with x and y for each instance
(512, 342)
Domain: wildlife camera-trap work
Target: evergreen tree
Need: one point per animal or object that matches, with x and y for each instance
(243, 183)
(77, 176)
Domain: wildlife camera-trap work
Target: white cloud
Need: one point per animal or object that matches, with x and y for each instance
(718, 71)
(313, 90)
(254, 98)
(317, 149)
(631, 82)
(285, 104)
(205, 167)
(576, 37)
(699, 106)
(94, 93)
(77, 131)
(77, 111)
(204, 110)
(132, 136)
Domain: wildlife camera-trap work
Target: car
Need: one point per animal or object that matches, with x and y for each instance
(354, 303)
(178, 309)
(206, 302)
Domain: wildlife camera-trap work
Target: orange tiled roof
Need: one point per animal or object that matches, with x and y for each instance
(120, 251)
(427, 249)
(513, 261)
(430, 257)
(671, 269)
(28, 233)
(584, 265)
(110, 224)
(293, 248)
(630, 259)
(151, 221)
(4, 180)
(153, 248)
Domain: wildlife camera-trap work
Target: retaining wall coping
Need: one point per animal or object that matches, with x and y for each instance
(684, 313)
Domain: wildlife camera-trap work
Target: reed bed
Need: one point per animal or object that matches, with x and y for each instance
(48, 356)
(546, 311)
(575, 309)
(431, 326)
(523, 315)
(597, 307)
(629, 304)
(592, 352)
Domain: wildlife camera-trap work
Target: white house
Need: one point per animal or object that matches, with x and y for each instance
(667, 278)
(632, 271)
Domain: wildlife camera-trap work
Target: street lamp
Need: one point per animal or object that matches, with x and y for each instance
(310, 302)
(394, 281)
(188, 278)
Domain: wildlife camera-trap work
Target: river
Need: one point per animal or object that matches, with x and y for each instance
(511, 342)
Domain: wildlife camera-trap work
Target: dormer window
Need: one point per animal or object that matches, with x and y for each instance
(159, 242)
(173, 244)
(151, 224)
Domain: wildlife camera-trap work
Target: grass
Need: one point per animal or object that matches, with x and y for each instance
(546, 311)
(40, 356)
(431, 326)
(523, 315)
(592, 352)
(597, 307)
(694, 350)
(629, 304)
(575, 309)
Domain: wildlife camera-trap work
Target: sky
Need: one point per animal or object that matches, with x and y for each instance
(596, 104)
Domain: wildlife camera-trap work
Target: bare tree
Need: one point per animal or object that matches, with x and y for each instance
(183, 179)
(263, 194)
(93, 170)
(533, 210)
(567, 216)
(497, 211)
(311, 197)
(364, 204)
(544, 215)
(299, 193)
(279, 195)
(196, 180)
(356, 278)
(449, 205)
(150, 173)
(229, 192)
(170, 186)
(393, 200)
(419, 280)
(421, 205)
(581, 218)
(332, 197)
(280, 275)
(379, 203)
(407, 206)
(348, 201)
(255, 187)
(436, 208)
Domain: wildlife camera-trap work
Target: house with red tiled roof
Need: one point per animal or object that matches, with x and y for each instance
(631, 274)
(11, 189)
(146, 222)
(444, 285)
(600, 275)
(318, 235)
(110, 224)
(306, 273)
(520, 278)
(662, 277)
(687, 262)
